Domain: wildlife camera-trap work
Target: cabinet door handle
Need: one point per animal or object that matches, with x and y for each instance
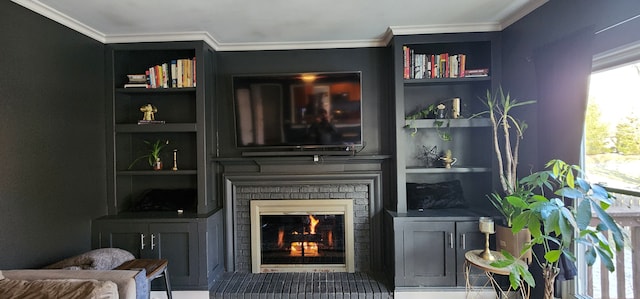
(463, 240)
(141, 241)
(451, 240)
(153, 241)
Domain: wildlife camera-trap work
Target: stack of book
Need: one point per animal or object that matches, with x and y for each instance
(178, 73)
(137, 81)
(425, 66)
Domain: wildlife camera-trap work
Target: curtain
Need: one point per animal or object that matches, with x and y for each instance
(562, 70)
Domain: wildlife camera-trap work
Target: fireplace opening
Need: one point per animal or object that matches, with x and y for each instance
(302, 239)
(302, 235)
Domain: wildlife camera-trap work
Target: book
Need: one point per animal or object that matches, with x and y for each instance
(137, 78)
(136, 85)
(174, 73)
(476, 72)
(151, 122)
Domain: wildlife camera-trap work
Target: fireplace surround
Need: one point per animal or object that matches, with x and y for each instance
(302, 235)
(362, 189)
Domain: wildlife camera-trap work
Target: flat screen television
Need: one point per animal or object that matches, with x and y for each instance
(298, 111)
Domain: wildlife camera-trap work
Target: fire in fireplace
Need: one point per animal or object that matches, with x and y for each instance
(302, 235)
(302, 239)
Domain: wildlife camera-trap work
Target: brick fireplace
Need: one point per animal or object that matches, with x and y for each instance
(362, 189)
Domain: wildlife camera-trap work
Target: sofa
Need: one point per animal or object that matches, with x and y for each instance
(88, 275)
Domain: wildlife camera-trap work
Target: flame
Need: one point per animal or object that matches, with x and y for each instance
(330, 238)
(280, 238)
(310, 249)
(312, 226)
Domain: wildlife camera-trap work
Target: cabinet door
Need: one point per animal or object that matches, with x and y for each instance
(429, 254)
(469, 237)
(178, 243)
(130, 236)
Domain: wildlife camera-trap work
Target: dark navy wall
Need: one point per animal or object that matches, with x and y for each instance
(556, 21)
(553, 23)
(52, 155)
(372, 62)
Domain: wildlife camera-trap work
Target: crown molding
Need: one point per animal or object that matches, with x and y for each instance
(337, 44)
(163, 37)
(520, 13)
(56, 16)
(445, 28)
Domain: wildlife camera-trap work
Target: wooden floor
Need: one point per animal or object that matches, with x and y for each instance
(300, 285)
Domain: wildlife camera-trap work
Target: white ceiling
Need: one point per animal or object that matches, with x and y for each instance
(278, 24)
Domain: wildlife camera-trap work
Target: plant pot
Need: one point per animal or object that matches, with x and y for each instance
(157, 165)
(513, 243)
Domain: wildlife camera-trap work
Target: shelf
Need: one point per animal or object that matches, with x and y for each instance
(156, 172)
(447, 170)
(453, 123)
(135, 128)
(154, 90)
(446, 80)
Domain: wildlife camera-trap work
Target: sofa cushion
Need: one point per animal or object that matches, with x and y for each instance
(98, 259)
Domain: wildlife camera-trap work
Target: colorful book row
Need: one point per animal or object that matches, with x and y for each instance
(444, 65)
(178, 73)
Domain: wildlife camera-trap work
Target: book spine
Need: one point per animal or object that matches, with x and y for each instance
(174, 74)
(165, 75)
(405, 60)
(179, 71)
(194, 71)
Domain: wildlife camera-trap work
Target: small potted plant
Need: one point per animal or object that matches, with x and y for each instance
(153, 155)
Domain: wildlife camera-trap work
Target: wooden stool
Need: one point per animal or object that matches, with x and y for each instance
(155, 268)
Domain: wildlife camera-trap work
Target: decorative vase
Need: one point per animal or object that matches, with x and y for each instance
(157, 165)
(513, 243)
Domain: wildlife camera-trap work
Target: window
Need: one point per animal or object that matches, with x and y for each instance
(612, 158)
(612, 134)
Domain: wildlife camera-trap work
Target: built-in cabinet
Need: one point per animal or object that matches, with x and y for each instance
(155, 239)
(174, 212)
(429, 245)
(430, 253)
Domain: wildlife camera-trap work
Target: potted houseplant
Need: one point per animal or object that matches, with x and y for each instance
(557, 205)
(153, 154)
(507, 132)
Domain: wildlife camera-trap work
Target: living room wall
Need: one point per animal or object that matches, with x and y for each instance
(53, 178)
(554, 22)
(555, 128)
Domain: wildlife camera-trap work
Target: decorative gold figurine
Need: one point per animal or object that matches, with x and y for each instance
(149, 112)
(448, 160)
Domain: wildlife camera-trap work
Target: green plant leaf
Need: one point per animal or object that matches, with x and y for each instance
(590, 256)
(570, 193)
(516, 201)
(583, 214)
(502, 263)
(607, 220)
(526, 275)
(553, 255)
(605, 259)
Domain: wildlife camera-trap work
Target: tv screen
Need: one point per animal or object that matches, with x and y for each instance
(304, 110)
